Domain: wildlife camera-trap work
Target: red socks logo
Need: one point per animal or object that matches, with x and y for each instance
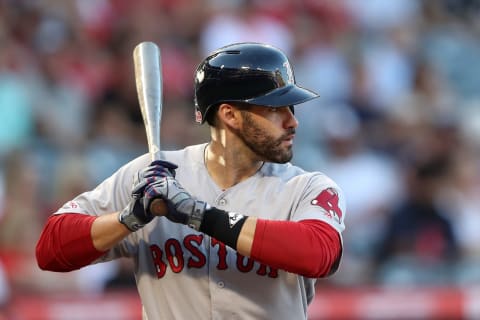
(328, 200)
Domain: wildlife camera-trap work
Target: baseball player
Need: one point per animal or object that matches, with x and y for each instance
(241, 233)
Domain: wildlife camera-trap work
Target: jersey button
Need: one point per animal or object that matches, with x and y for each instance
(222, 202)
(221, 284)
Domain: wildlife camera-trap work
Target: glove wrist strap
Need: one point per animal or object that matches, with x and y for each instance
(129, 219)
(196, 218)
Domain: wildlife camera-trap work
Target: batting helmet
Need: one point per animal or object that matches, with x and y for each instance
(252, 73)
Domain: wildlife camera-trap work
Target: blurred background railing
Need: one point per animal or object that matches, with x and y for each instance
(397, 126)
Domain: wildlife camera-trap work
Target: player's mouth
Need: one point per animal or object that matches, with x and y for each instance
(288, 140)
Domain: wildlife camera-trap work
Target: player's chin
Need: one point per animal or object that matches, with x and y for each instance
(286, 158)
(282, 155)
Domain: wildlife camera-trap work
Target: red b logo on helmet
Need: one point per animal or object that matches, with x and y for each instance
(328, 200)
(198, 116)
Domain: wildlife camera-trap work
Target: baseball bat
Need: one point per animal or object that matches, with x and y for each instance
(148, 79)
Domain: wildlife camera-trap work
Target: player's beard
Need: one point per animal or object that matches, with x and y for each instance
(265, 146)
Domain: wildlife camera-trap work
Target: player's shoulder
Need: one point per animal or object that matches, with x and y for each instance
(288, 171)
(188, 154)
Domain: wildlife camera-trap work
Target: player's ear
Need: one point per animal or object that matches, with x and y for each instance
(229, 115)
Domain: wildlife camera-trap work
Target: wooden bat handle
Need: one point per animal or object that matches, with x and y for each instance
(158, 207)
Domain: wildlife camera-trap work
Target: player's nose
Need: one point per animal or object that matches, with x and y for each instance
(290, 119)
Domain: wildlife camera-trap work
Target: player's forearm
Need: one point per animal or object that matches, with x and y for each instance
(246, 236)
(107, 231)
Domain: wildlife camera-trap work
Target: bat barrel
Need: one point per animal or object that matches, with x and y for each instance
(148, 76)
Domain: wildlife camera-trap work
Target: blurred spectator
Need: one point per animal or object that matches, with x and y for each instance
(16, 105)
(378, 15)
(461, 200)
(115, 139)
(469, 123)
(386, 62)
(16, 114)
(450, 43)
(239, 21)
(431, 98)
(20, 222)
(371, 183)
(4, 290)
(321, 55)
(61, 107)
(419, 244)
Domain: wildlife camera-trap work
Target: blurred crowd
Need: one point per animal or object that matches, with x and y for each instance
(397, 125)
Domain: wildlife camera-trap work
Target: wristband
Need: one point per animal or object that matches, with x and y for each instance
(222, 225)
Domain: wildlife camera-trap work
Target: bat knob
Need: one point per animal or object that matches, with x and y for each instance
(158, 207)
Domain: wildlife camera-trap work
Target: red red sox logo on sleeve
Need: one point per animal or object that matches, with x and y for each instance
(328, 200)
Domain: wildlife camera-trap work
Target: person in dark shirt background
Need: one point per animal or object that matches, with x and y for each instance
(419, 244)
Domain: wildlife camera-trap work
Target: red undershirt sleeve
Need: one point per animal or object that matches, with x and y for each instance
(311, 248)
(65, 243)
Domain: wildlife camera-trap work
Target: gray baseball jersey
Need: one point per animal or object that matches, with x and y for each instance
(184, 274)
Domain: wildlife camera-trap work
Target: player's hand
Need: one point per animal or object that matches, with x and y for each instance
(134, 216)
(181, 206)
(156, 170)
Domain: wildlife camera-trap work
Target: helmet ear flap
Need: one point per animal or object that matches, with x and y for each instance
(210, 114)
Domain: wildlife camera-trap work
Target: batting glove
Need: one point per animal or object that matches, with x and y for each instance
(182, 207)
(134, 216)
(157, 169)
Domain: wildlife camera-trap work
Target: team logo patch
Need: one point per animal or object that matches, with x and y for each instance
(70, 205)
(233, 218)
(198, 116)
(328, 200)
